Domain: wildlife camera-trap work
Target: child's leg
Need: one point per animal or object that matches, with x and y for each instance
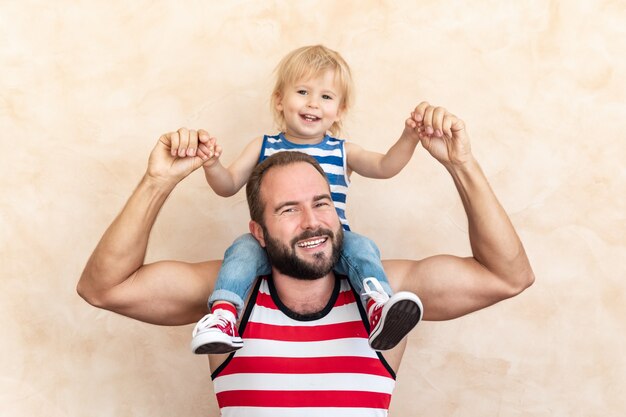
(244, 261)
(216, 332)
(360, 259)
(391, 316)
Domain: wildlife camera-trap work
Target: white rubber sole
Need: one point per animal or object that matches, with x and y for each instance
(211, 342)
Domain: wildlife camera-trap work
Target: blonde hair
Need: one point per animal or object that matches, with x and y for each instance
(307, 62)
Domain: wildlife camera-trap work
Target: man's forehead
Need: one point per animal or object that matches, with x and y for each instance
(293, 181)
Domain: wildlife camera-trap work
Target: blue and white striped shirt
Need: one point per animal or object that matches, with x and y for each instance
(331, 155)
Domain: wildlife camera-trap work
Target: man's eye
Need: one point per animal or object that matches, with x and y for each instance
(322, 204)
(288, 210)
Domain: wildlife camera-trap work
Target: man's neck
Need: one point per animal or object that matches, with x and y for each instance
(303, 296)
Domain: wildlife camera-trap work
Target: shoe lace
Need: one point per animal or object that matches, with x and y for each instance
(211, 320)
(377, 294)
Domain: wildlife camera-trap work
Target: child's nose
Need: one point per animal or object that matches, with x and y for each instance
(312, 102)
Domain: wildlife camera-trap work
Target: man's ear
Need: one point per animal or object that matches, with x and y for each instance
(257, 232)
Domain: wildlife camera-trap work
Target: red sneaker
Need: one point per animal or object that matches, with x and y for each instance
(391, 318)
(216, 333)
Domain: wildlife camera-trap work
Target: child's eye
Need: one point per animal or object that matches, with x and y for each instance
(327, 97)
(302, 92)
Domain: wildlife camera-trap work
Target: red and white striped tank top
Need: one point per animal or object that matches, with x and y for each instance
(293, 365)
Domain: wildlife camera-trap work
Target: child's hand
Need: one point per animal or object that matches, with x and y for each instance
(208, 149)
(442, 134)
(411, 128)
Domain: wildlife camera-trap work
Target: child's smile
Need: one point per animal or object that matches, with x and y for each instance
(310, 118)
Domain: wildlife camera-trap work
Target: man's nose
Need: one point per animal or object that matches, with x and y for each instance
(309, 219)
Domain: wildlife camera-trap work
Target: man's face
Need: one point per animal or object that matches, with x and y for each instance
(302, 232)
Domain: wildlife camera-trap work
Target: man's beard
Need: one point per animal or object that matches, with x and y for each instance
(286, 260)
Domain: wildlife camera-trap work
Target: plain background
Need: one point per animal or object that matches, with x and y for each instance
(86, 88)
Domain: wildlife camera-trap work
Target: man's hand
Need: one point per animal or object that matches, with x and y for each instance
(442, 134)
(176, 155)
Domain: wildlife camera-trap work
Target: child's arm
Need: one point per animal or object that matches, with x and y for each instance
(227, 181)
(376, 165)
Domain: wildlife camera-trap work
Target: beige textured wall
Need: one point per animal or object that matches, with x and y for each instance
(85, 90)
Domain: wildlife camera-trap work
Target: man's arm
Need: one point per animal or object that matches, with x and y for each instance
(115, 277)
(499, 268)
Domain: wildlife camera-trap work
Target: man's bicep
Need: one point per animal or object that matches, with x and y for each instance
(165, 293)
(448, 286)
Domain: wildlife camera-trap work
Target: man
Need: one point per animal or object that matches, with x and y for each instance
(296, 319)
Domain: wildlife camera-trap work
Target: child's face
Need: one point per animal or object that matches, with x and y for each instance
(310, 107)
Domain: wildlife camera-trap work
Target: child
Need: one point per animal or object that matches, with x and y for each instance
(312, 93)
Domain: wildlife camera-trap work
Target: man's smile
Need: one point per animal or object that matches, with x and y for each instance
(312, 243)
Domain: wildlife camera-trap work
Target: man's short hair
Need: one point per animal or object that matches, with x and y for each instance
(253, 188)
